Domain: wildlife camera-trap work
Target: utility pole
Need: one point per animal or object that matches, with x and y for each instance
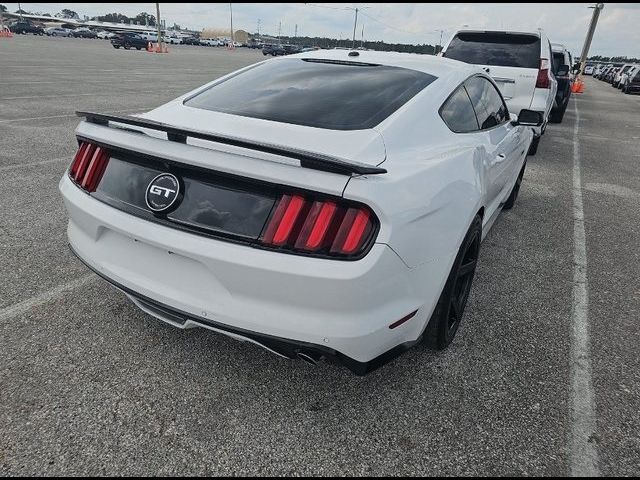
(362, 38)
(158, 25)
(231, 16)
(592, 28)
(258, 28)
(295, 34)
(20, 11)
(355, 23)
(279, 29)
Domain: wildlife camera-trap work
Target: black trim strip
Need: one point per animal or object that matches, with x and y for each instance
(315, 161)
(284, 346)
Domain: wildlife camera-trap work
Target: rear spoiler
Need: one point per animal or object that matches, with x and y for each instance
(315, 161)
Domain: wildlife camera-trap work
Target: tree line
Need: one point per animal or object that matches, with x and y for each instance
(325, 42)
(601, 59)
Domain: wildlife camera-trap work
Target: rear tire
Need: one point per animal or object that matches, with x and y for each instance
(447, 316)
(533, 148)
(556, 116)
(511, 201)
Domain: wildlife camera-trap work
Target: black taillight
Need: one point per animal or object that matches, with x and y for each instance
(89, 165)
(319, 227)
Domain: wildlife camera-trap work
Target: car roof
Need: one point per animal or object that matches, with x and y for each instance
(433, 65)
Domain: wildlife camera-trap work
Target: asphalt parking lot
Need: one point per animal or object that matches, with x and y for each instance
(90, 385)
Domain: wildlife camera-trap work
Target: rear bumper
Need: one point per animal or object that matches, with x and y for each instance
(287, 303)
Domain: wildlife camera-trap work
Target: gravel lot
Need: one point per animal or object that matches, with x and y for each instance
(89, 385)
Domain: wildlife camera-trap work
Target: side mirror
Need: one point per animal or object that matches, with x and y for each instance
(563, 71)
(529, 118)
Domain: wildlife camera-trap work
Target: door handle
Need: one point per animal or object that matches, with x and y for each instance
(500, 157)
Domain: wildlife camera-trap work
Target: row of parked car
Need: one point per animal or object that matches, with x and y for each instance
(625, 77)
(276, 49)
(530, 72)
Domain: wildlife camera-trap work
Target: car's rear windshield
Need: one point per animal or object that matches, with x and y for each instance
(496, 48)
(316, 93)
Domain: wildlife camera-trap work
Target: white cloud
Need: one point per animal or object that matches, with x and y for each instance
(617, 32)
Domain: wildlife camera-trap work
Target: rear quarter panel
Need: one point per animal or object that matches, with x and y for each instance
(434, 184)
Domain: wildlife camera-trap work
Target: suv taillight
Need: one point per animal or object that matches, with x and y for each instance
(320, 227)
(88, 166)
(543, 74)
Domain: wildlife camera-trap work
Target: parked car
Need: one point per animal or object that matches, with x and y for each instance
(561, 63)
(149, 36)
(273, 49)
(628, 76)
(610, 75)
(618, 75)
(57, 32)
(301, 219)
(84, 32)
(632, 82)
(129, 40)
(519, 62)
(210, 42)
(191, 41)
(173, 40)
(291, 49)
(25, 26)
(105, 35)
(588, 70)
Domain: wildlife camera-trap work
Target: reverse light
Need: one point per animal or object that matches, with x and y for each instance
(325, 227)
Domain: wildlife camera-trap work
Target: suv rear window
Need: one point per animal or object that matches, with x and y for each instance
(328, 94)
(495, 48)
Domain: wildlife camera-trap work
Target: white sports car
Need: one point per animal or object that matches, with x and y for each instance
(329, 204)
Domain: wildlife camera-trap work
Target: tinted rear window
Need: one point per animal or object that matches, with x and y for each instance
(499, 49)
(324, 94)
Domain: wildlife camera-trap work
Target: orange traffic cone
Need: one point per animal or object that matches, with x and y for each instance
(149, 48)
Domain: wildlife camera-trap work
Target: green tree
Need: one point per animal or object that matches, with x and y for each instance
(112, 17)
(145, 18)
(66, 13)
(2, 8)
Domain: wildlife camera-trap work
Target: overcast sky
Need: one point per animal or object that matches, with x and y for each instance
(618, 31)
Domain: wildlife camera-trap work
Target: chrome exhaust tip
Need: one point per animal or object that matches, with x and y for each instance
(309, 358)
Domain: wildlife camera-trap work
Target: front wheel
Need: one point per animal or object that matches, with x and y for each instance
(446, 318)
(116, 46)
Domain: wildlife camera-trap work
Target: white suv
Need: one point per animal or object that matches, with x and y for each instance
(519, 62)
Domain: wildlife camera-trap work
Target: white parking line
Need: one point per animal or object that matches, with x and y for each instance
(583, 453)
(26, 305)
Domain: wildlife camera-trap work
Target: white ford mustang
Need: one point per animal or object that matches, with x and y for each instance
(329, 204)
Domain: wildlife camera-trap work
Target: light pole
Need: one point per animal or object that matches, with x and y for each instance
(355, 23)
(592, 28)
(158, 25)
(231, 17)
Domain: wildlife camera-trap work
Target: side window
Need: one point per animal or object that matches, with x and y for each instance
(487, 102)
(457, 112)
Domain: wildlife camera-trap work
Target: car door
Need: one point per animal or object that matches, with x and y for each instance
(502, 140)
